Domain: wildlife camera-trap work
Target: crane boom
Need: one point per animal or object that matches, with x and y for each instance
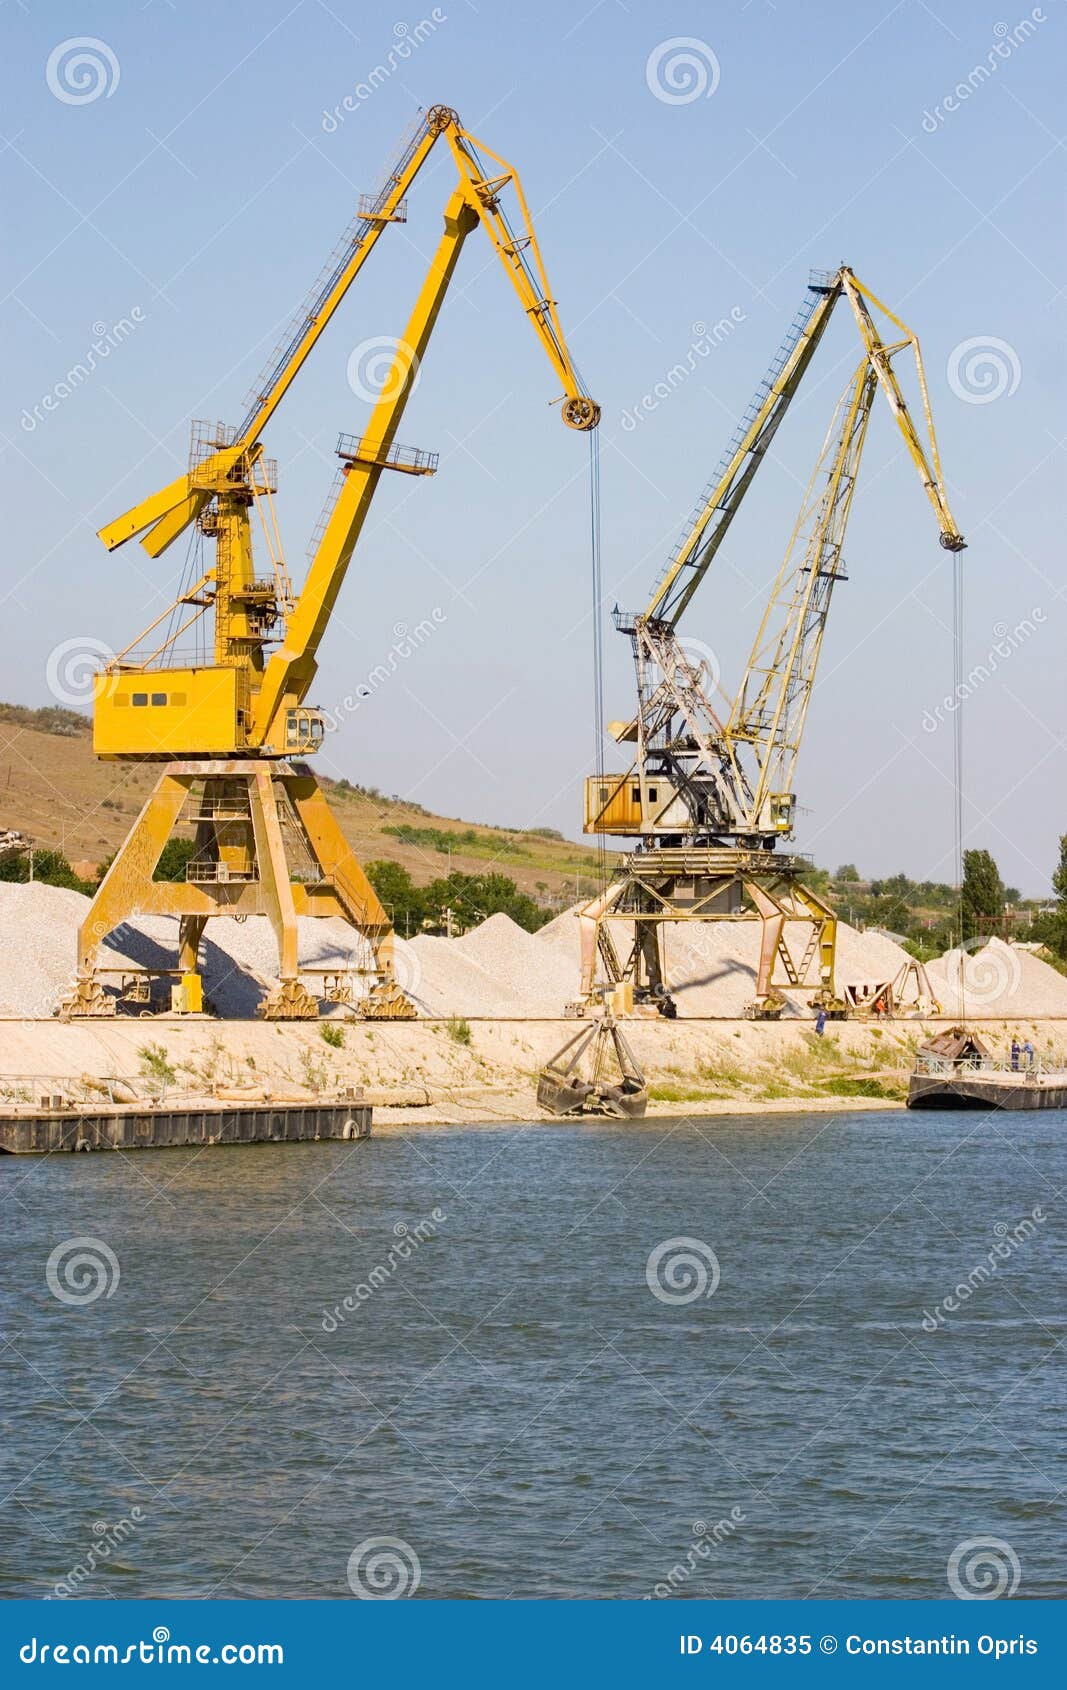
(771, 706)
(718, 505)
(169, 512)
(292, 668)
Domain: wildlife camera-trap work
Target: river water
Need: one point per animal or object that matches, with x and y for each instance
(505, 1396)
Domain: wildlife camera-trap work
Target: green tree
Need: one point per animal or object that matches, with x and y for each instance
(848, 872)
(1059, 875)
(982, 895)
(50, 867)
(473, 897)
(404, 901)
(1051, 928)
(174, 858)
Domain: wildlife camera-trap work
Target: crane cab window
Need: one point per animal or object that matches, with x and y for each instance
(139, 698)
(159, 698)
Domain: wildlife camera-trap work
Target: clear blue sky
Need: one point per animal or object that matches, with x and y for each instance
(203, 191)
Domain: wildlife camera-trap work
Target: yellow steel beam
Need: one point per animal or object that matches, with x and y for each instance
(291, 669)
(880, 356)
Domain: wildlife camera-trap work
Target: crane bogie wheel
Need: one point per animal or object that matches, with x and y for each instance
(289, 1000)
(581, 413)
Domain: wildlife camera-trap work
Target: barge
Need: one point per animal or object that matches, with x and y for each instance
(956, 1070)
(40, 1131)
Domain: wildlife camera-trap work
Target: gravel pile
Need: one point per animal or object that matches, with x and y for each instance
(998, 979)
(498, 969)
(712, 966)
(38, 948)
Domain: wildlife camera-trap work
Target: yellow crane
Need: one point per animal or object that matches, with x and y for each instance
(228, 725)
(710, 793)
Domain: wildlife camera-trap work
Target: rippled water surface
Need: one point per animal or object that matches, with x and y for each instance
(513, 1401)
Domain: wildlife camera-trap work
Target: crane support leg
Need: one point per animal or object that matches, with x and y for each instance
(772, 927)
(190, 933)
(591, 939)
(290, 1000)
(358, 900)
(126, 890)
(648, 958)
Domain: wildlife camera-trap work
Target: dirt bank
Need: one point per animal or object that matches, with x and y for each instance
(436, 1071)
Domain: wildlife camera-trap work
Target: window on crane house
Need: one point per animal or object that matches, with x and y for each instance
(139, 698)
(159, 698)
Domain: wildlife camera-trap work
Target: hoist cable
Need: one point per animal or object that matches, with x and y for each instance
(598, 640)
(957, 755)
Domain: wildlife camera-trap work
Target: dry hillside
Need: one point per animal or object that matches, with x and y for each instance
(56, 792)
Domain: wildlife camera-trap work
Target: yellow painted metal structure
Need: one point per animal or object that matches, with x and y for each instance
(228, 724)
(710, 793)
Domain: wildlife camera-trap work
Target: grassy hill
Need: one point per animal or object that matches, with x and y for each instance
(60, 796)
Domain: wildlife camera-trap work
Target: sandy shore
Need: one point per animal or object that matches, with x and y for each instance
(436, 1073)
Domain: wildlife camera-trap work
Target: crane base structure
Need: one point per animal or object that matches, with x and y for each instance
(266, 843)
(703, 884)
